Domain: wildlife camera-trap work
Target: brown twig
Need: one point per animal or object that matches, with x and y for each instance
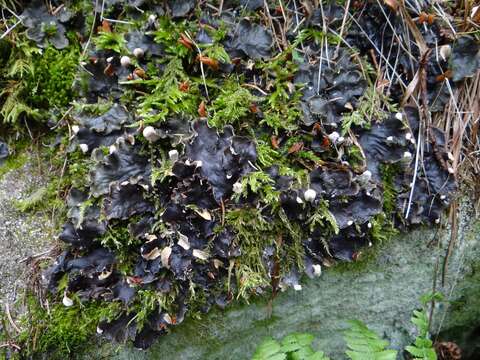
(10, 319)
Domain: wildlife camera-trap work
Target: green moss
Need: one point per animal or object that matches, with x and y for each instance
(13, 163)
(373, 106)
(282, 107)
(164, 94)
(61, 332)
(110, 41)
(388, 174)
(231, 105)
(34, 81)
(51, 82)
(148, 301)
(170, 32)
(259, 182)
(118, 239)
(256, 232)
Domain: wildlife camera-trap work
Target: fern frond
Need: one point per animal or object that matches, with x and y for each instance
(365, 344)
(296, 346)
(422, 348)
(270, 349)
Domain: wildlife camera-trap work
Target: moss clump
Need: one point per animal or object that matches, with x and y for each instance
(34, 81)
(388, 173)
(108, 40)
(50, 84)
(170, 93)
(61, 332)
(231, 105)
(12, 163)
(255, 233)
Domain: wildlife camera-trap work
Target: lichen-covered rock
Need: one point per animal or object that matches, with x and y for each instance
(382, 292)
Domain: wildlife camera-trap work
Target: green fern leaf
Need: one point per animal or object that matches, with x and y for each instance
(296, 341)
(364, 344)
(296, 346)
(269, 349)
(423, 346)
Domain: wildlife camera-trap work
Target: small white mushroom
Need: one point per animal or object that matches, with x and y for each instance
(369, 225)
(84, 148)
(445, 51)
(99, 330)
(297, 287)
(112, 149)
(333, 137)
(67, 301)
(451, 170)
(317, 269)
(407, 155)
(152, 18)
(350, 222)
(299, 200)
(138, 52)
(389, 139)
(75, 129)
(173, 155)
(399, 116)
(310, 195)
(437, 221)
(125, 61)
(150, 134)
(443, 197)
(109, 59)
(237, 187)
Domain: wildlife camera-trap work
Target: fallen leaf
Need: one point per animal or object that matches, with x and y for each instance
(202, 110)
(208, 61)
(140, 73)
(295, 148)
(106, 26)
(109, 70)
(392, 4)
(274, 141)
(185, 41)
(184, 86)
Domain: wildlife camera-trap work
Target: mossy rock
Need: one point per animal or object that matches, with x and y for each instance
(382, 293)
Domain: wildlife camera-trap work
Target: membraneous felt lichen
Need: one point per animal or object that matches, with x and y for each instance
(203, 189)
